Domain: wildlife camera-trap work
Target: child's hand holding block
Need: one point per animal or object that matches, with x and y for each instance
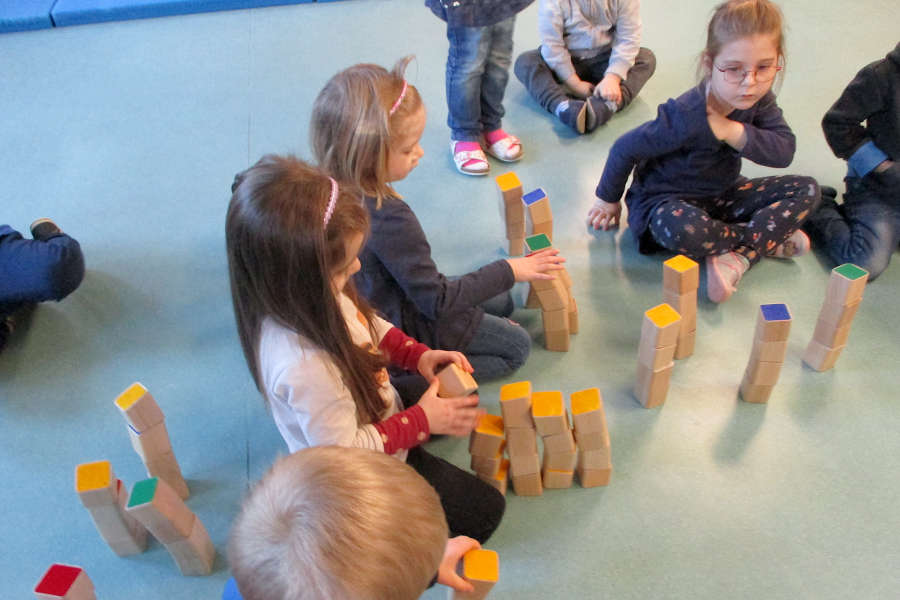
(455, 382)
(481, 568)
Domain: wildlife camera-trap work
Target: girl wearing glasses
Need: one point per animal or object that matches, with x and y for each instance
(688, 195)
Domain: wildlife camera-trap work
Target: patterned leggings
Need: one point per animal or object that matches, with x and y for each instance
(752, 218)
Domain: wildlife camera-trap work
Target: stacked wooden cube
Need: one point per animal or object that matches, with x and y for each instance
(65, 582)
(104, 496)
(521, 438)
(558, 309)
(551, 420)
(486, 444)
(594, 465)
(681, 278)
(659, 337)
(539, 213)
(842, 299)
(481, 568)
(513, 211)
(773, 325)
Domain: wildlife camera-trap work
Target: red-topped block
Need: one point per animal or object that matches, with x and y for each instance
(65, 582)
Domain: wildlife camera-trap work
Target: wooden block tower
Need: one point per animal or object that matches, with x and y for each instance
(486, 444)
(659, 337)
(513, 211)
(681, 278)
(539, 213)
(149, 437)
(551, 420)
(481, 568)
(842, 299)
(558, 308)
(65, 582)
(105, 498)
(521, 438)
(773, 325)
(594, 465)
(167, 517)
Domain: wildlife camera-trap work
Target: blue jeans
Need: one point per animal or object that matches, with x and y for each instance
(477, 72)
(864, 230)
(35, 271)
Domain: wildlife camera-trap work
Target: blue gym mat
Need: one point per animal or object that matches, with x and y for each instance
(81, 12)
(25, 15)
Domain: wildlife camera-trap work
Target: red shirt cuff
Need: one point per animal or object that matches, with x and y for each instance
(402, 350)
(407, 429)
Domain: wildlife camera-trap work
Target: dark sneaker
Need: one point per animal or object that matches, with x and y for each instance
(598, 113)
(44, 229)
(575, 115)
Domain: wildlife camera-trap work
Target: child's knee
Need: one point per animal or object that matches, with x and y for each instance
(519, 347)
(65, 273)
(646, 56)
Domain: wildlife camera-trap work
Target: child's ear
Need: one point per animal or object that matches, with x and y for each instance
(706, 63)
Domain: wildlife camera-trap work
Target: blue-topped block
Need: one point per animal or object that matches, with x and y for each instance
(82, 12)
(532, 197)
(25, 15)
(775, 312)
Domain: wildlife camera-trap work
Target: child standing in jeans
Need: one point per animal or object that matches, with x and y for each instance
(480, 34)
(865, 229)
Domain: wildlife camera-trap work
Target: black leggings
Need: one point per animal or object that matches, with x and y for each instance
(473, 508)
(752, 218)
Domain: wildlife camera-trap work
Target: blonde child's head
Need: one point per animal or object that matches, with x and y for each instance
(736, 19)
(283, 258)
(361, 115)
(328, 523)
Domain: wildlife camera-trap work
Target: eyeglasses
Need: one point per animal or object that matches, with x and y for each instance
(762, 74)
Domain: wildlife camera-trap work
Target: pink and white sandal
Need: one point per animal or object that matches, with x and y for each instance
(796, 245)
(723, 272)
(506, 147)
(469, 158)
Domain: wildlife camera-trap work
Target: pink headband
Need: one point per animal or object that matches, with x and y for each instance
(399, 100)
(331, 201)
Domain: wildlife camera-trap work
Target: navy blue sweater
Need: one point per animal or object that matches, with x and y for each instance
(677, 155)
(399, 278)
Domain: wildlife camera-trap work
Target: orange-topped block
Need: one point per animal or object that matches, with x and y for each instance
(515, 404)
(587, 413)
(585, 401)
(95, 484)
(481, 565)
(139, 408)
(549, 413)
(680, 274)
(508, 181)
(490, 425)
(660, 326)
(487, 438)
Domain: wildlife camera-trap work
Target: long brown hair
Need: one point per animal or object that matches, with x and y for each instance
(280, 260)
(352, 128)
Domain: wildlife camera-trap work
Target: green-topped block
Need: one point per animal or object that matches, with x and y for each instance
(846, 284)
(850, 271)
(538, 242)
(143, 492)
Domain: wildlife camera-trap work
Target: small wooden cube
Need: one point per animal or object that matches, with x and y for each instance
(521, 441)
(651, 386)
(516, 246)
(455, 382)
(755, 393)
(685, 345)
(681, 274)
(654, 357)
(560, 461)
(139, 408)
(487, 465)
(528, 485)
(537, 242)
(549, 413)
(846, 284)
(556, 320)
(156, 505)
(820, 357)
(768, 351)
(763, 373)
(510, 188)
(660, 326)
(560, 442)
(65, 582)
(839, 315)
(500, 479)
(592, 440)
(515, 404)
(573, 315)
(590, 478)
(587, 410)
(481, 568)
(487, 437)
(596, 460)
(773, 323)
(524, 464)
(829, 335)
(553, 479)
(557, 341)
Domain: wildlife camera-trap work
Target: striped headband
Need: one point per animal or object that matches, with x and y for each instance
(331, 201)
(399, 99)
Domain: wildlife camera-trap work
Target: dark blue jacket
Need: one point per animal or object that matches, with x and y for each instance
(678, 155)
(475, 13)
(399, 278)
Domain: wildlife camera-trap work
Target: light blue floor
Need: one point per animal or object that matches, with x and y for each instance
(129, 134)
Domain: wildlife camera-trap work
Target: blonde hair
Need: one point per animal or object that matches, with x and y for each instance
(737, 19)
(352, 128)
(330, 523)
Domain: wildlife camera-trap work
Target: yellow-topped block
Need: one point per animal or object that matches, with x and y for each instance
(508, 181)
(585, 401)
(546, 404)
(481, 565)
(490, 425)
(127, 398)
(511, 391)
(663, 315)
(681, 263)
(93, 476)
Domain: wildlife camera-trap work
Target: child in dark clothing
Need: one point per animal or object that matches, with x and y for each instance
(688, 195)
(865, 229)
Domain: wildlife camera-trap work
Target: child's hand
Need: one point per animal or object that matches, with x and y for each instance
(454, 416)
(604, 214)
(432, 359)
(726, 130)
(535, 266)
(610, 88)
(453, 553)
(579, 87)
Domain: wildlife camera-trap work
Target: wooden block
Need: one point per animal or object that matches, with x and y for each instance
(515, 405)
(762, 373)
(768, 351)
(65, 582)
(651, 386)
(560, 461)
(151, 442)
(686, 306)
(521, 441)
(553, 295)
(515, 220)
(528, 485)
(590, 478)
(538, 206)
(656, 357)
(545, 227)
(195, 554)
(105, 497)
(516, 247)
(773, 323)
(685, 345)
(820, 357)
(549, 413)
(553, 479)
(556, 320)
(846, 284)
(556, 341)
(591, 440)
(139, 408)
(455, 382)
(532, 300)
(510, 187)
(564, 277)
(166, 467)
(680, 274)
(537, 242)
(523, 464)
(156, 505)
(487, 465)
(596, 460)
(587, 410)
(829, 335)
(487, 437)
(481, 568)
(95, 484)
(559, 443)
(660, 326)
(500, 479)
(757, 394)
(839, 315)
(573, 316)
